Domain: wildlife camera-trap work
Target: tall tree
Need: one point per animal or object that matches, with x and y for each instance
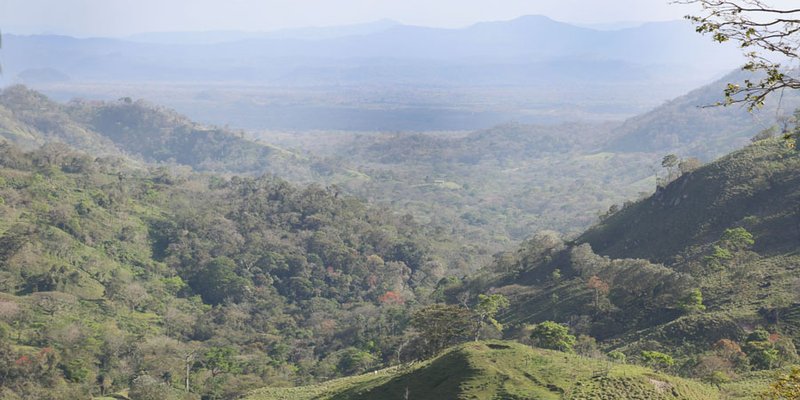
(486, 310)
(441, 325)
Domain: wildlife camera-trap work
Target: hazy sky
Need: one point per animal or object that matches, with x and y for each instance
(124, 17)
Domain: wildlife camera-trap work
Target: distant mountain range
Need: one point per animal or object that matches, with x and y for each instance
(521, 51)
(311, 33)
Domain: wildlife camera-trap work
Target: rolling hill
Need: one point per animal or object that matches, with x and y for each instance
(506, 370)
(141, 131)
(755, 188)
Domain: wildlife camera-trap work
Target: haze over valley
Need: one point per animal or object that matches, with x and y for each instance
(382, 76)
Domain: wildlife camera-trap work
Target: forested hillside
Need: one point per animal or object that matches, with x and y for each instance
(757, 188)
(140, 130)
(491, 187)
(115, 278)
(141, 260)
(498, 185)
(703, 271)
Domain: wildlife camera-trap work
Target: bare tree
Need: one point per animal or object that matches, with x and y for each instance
(769, 36)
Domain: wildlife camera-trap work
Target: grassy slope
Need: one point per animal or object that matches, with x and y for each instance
(505, 370)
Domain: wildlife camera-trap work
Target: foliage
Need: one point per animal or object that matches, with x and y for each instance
(120, 271)
(693, 302)
(442, 325)
(502, 369)
(711, 203)
(766, 33)
(617, 356)
(217, 281)
(600, 289)
(113, 270)
(737, 230)
(554, 336)
(220, 360)
(657, 359)
(786, 387)
(486, 310)
(737, 239)
(145, 387)
(760, 349)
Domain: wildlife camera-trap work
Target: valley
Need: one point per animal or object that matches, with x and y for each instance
(512, 209)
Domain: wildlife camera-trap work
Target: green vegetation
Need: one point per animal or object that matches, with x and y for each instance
(712, 293)
(750, 193)
(486, 370)
(493, 187)
(158, 277)
(109, 273)
(139, 130)
(550, 335)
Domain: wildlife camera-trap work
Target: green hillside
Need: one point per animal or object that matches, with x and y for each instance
(687, 126)
(707, 263)
(110, 274)
(137, 268)
(502, 370)
(142, 131)
(757, 188)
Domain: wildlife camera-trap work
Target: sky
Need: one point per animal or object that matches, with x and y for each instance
(118, 18)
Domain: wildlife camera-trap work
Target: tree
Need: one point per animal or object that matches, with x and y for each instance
(218, 281)
(669, 161)
(730, 248)
(617, 356)
(765, 33)
(552, 335)
(354, 361)
(441, 325)
(600, 288)
(786, 387)
(556, 276)
(689, 164)
(220, 360)
(730, 351)
(737, 239)
(145, 387)
(657, 359)
(675, 167)
(692, 302)
(761, 350)
(487, 309)
(586, 346)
